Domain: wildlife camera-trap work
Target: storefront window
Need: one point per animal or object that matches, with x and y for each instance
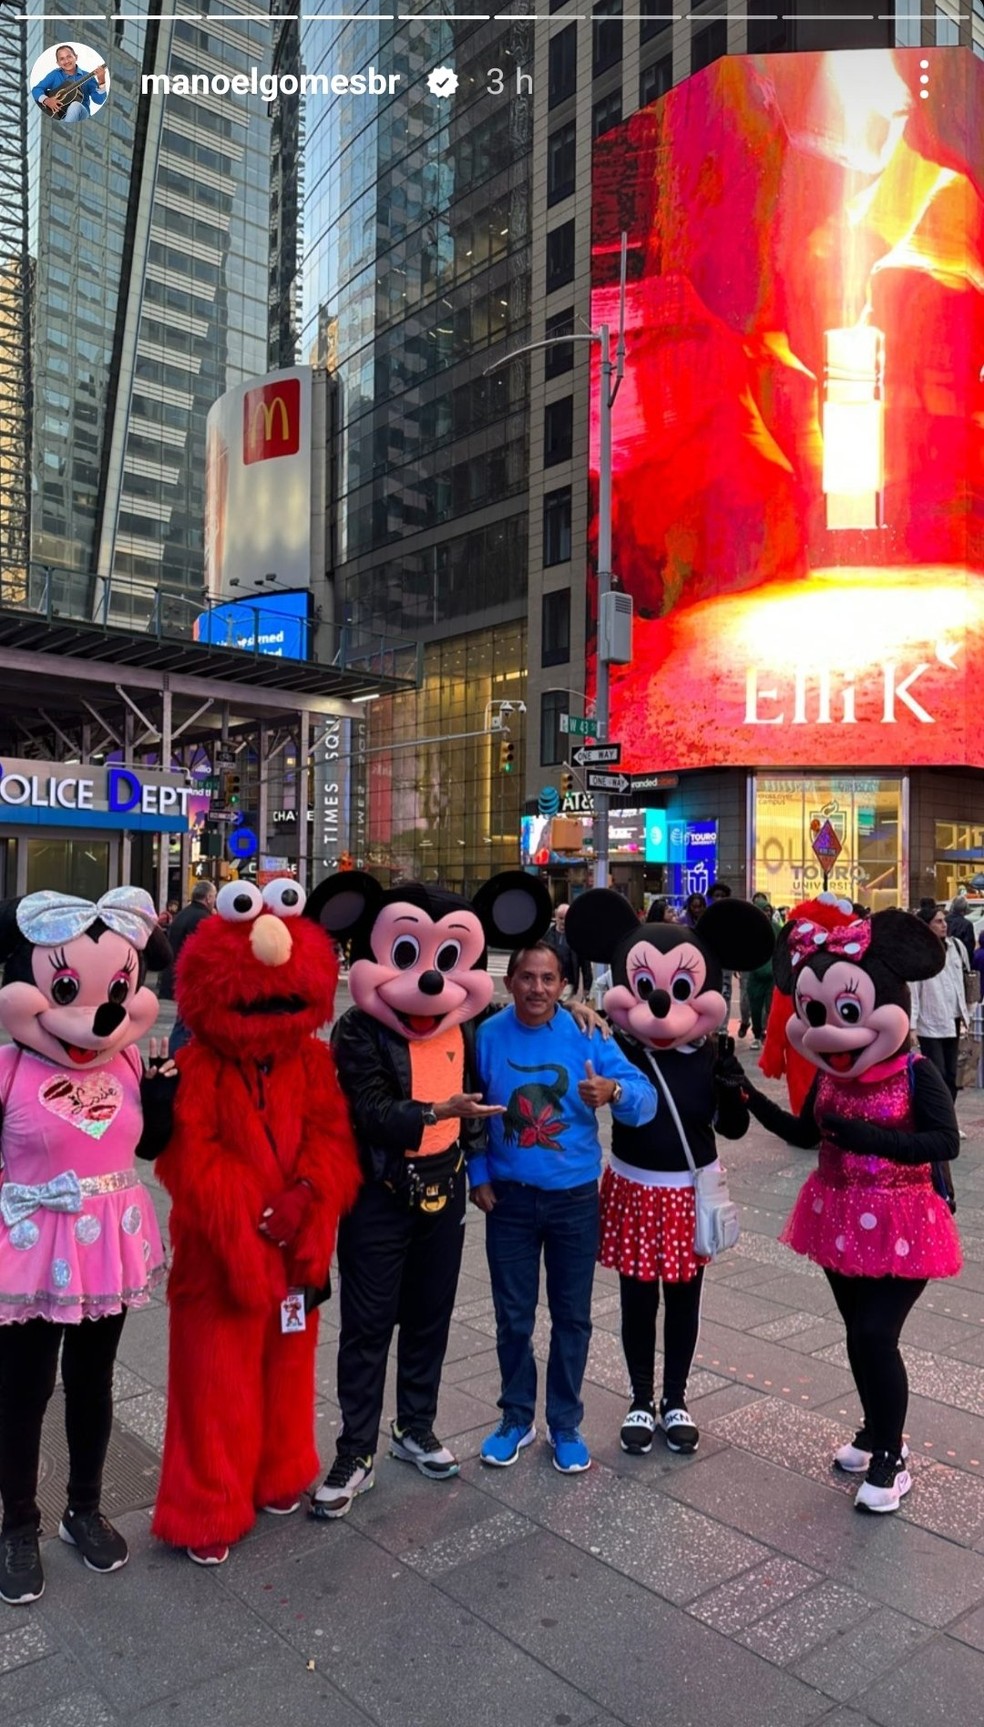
(959, 860)
(864, 814)
(71, 866)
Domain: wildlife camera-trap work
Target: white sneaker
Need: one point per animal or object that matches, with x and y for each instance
(885, 1485)
(854, 1459)
(347, 1477)
(421, 1447)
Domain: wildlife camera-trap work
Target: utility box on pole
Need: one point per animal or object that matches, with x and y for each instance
(615, 629)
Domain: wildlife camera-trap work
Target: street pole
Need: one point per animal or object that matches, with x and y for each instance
(600, 824)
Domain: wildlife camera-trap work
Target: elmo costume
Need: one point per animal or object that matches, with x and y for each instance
(779, 1056)
(260, 1166)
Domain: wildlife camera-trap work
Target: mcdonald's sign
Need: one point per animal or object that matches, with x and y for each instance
(272, 421)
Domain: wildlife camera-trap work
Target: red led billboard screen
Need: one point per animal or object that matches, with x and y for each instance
(798, 494)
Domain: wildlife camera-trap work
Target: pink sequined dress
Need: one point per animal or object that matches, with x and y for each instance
(79, 1239)
(868, 1216)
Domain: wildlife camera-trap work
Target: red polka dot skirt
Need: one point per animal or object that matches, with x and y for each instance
(648, 1232)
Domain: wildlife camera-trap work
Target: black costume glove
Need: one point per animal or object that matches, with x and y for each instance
(729, 1072)
(862, 1137)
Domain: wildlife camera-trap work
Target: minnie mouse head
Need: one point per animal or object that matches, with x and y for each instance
(418, 954)
(256, 978)
(74, 971)
(850, 987)
(666, 980)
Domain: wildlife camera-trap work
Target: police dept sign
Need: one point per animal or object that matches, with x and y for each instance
(47, 794)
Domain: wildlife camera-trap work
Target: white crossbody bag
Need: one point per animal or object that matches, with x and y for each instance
(716, 1225)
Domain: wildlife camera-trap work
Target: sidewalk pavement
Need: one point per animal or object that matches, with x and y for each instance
(734, 1589)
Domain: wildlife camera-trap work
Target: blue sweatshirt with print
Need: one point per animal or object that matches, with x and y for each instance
(548, 1137)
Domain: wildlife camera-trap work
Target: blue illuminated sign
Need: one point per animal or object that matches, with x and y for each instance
(693, 848)
(276, 624)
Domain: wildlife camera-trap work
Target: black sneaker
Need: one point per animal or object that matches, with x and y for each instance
(674, 1419)
(743, 1027)
(885, 1485)
(420, 1446)
(638, 1428)
(21, 1576)
(101, 1546)
(347, 1477)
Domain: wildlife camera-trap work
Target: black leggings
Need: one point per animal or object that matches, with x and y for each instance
(28, 1369)
(874, 1310)
(681, 1324)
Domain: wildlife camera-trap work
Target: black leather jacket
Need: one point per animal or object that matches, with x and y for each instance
(374, 1070)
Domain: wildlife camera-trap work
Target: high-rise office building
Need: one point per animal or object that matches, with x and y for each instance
(142, 277)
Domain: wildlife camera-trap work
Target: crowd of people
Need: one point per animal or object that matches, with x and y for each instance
(432, 1095)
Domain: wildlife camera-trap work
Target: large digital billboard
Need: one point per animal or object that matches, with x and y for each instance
(277, 624)
(798, 493)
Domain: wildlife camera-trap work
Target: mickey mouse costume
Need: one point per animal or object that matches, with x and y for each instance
(79, 1242)
(872, 1214)
(405, 1056)
(666, 1005)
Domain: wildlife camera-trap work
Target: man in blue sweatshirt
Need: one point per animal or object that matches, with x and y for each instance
(537, 1182)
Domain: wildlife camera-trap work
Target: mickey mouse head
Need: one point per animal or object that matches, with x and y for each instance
(418, 954)
(666, 980)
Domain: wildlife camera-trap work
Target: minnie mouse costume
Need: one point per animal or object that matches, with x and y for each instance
(779, 1057)
(78, 1237)
(871, 1214)
(259, 1167)
(405, 1054)
(666, 1005)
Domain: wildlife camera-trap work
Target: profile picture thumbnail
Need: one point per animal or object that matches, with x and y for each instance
(70, 82)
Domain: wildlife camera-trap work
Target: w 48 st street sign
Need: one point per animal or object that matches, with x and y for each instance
(596, 755)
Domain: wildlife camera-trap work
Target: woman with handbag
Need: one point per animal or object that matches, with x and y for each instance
(939, 1004)
(666, 1005)
(874, 1214)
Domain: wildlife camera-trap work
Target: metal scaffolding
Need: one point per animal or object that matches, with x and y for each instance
(15, 309)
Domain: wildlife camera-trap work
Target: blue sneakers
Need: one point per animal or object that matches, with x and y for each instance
(571, 1455)
(504, 1445)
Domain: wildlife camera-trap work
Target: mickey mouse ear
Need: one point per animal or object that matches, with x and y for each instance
(514, 909)
(597, 921)
(344, 903)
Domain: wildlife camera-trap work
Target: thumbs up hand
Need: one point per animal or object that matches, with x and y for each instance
(594, 1090)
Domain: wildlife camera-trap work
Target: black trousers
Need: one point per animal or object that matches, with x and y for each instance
(681, 1325)
(942, 1052)
(874, 1310)
(397, 1267)
(28, 1369)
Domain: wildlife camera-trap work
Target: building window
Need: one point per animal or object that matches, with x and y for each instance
(561, 163)
(656, 17)
(553, 742)
(606, 113)
(767, 34)
(562, 66)
(709, 45)
(655, 80)
(607, 35)
(557, 527)
(561, 358)
(555, 647)
(558, 431)
(947, 30)
(560, 256)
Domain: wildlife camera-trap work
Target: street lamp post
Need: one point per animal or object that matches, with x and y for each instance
(612, 372)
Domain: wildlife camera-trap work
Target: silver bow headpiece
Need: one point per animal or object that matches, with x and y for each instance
(48, 919)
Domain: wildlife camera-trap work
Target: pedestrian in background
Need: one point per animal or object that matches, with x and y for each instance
(939, 1005)
(200, 906)
(694, 909)
(960, 927)
(576, 971)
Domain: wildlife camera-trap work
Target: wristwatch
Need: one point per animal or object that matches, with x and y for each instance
(616, 1096)
(430, 1115)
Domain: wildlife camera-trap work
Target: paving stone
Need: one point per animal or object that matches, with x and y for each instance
(40, 1684)
(499, 1530)
(736, 1308)
(280, 1689)
(731, 1396)
(784, 1433)
(885, 1559)
(26, 1643)
(743, 1600)
(958, 1383)
(83, 1709)
(405, 1513)
(804, 1378)
(810, 1619)
(860, 1654)
(615, 1640)
(778, 1330)
(797, 1289)
(143, 1345)
(765, 1251)
(144, 1415)
(943, 1682)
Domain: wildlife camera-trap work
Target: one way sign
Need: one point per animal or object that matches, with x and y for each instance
(596, 755)
(607, 782)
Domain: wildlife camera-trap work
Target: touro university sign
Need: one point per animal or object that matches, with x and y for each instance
(798, 441)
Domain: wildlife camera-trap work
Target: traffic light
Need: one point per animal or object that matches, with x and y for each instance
(212, 840)
(567, 783)
(507, 756)
(232, 788)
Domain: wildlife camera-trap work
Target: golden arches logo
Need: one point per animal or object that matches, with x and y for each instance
(272, 421)
(266, 411)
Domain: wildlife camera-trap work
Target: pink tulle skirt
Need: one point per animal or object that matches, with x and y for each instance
(863, 1226)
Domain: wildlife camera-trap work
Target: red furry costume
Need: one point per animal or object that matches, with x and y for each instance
(261, 1143)
(778, 1055)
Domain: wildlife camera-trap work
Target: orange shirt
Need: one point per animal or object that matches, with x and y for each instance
(437, 1071)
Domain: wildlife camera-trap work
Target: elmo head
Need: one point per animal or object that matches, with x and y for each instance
(257, 976)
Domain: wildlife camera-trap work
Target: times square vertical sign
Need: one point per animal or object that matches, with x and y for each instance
(798, 442)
